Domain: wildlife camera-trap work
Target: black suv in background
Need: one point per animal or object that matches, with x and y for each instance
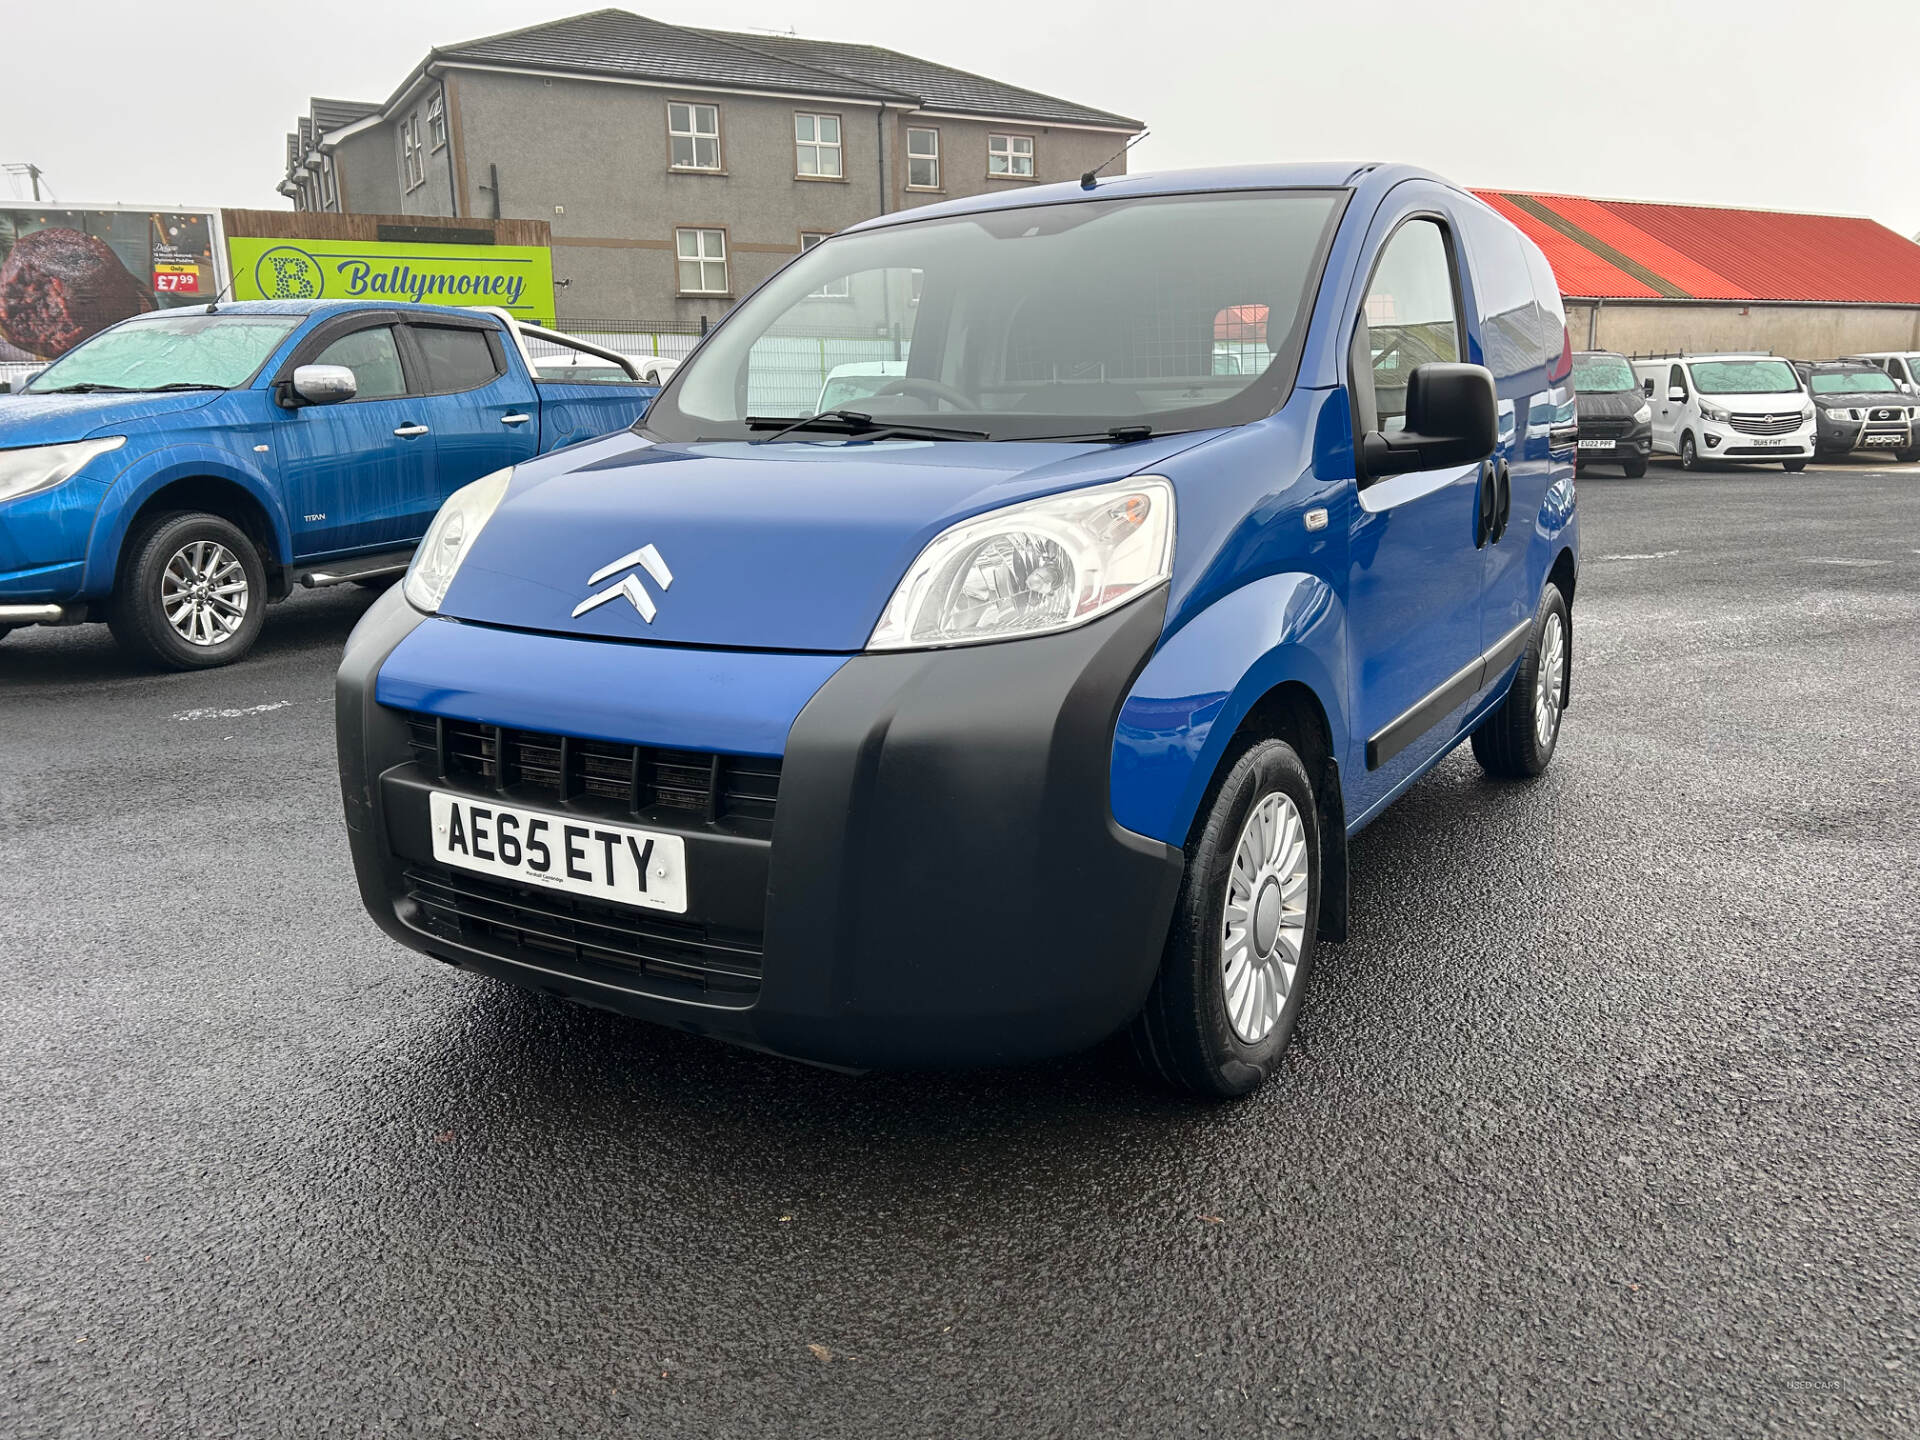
(1616, 423)
(1858, 406)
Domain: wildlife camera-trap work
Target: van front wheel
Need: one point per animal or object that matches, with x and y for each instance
(1241, 948)
(1517, 740)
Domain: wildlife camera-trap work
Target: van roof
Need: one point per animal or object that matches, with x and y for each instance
(1304, 175)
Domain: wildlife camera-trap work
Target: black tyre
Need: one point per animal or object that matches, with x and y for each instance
(1907, 457)
(1793, 467)
(1517, 740)
(5, 630)
(1634, 469)
(1241, 948)
(1689, 452)
(192, 593)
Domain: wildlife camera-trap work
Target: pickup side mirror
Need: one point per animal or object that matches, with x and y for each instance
(324, 384)
(1676, 395)
(1452, 419)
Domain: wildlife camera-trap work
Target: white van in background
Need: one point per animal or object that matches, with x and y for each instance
(1727, 407)
(1902, 365)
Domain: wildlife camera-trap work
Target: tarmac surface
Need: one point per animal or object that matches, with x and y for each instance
(1604, 1122)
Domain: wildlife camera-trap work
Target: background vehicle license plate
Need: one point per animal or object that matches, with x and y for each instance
(575, 853)
(1768, 440)
(1596, 444)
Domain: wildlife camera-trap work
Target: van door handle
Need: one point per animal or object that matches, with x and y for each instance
(407, 432)
(515, 419)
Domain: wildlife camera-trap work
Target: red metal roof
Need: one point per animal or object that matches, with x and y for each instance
(1629, 250)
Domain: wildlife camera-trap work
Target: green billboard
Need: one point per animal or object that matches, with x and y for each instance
(514, 278)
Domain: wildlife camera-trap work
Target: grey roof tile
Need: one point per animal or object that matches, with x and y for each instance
(337, 114)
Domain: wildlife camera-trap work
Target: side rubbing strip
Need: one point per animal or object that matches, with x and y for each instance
(1428, 711)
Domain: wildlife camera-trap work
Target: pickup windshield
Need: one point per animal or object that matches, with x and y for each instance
(180, 352)
(1602, 375)
(1173, 312)
(1744, 377)
(1866, 381)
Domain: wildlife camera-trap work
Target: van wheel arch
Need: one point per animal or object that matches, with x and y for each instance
(210, 495)
(1291, 712)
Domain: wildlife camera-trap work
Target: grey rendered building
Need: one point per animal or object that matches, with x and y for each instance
(678, 167)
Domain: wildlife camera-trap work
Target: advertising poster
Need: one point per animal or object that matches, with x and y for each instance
(514, 278)
(66, 274)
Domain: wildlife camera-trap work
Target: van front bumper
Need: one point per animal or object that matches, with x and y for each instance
(1723, 442)
(943, 882)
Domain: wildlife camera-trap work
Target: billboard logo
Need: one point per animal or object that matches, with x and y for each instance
(285, 273)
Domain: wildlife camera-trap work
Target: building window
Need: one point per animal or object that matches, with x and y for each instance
(437, 123)
(1010, 155)
(923, 159)
(413, 165)
(816, 146)
(329, 188)
(835, 289)
(693, 136)
(703, 261)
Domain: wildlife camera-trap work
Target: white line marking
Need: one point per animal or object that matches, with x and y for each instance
(1843, 560)
(1650, 555)
(216, 713)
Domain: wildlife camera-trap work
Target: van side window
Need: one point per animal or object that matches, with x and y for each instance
(1410, 319)
(1677, 379)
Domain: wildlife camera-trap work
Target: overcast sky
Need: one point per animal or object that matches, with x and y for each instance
(1786, 104)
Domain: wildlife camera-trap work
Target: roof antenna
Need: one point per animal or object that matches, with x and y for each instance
(1087, 180)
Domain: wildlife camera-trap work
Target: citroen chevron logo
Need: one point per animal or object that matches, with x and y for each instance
(648, 559)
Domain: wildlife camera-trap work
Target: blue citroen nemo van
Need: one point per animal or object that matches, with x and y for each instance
(1038, 693)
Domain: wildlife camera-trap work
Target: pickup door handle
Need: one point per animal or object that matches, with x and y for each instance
(407, 432)
(515, 419)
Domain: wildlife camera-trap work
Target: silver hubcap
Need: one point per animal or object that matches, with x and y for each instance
(1265, 920)
(204, 593)
(1546, 688)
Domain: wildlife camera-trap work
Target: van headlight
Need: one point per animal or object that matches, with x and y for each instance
(1714, 413)
(1643, 416)
(450, 537)
(1033, 568)
(41, 467)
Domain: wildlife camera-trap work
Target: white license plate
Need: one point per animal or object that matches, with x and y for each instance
(1766, 440)
(1596, 444)
(578, 854)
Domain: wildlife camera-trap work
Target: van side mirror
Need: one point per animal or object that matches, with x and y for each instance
(324, 384)
(1452, 419)
(1646, 388)
(1676, 395)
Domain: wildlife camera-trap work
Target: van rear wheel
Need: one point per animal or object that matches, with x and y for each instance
(193, 594)
(1242, 944)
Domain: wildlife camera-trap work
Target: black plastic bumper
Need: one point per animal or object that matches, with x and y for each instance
(945, 883)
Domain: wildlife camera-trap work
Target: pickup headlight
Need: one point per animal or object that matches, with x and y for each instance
(1837, 415)
(39, 467)
(1714, 413)
(450, 537)
(1643, 416)
(1033, 568)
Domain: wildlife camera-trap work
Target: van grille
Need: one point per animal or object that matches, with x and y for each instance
(1768, 424)
(737, 791)
(632, 947)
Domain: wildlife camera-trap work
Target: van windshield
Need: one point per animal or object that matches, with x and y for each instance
(1177, 312)
(1602, 375)
(1744, 377)
(181, 352)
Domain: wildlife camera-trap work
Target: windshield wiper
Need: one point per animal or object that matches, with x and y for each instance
(183, 385)
(88, 387)
(1118, 434)
(853, 423)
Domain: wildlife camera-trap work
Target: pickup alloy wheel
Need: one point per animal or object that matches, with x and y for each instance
(193, 594)
(1242, 943)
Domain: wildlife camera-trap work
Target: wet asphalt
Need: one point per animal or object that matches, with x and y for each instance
(1603, 1123)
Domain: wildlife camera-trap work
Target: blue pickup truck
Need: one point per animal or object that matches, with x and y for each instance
(180, 470)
